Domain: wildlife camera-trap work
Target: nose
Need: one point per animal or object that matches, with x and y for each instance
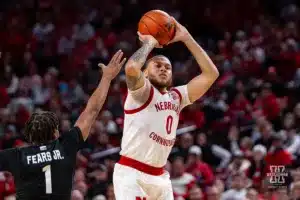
(163, 69)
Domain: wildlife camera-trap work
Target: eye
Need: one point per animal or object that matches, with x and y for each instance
(168, 67)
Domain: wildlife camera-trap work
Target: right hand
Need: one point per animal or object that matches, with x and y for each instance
(114, 66)
(149, 39)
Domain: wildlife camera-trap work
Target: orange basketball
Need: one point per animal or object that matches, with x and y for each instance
(159, 24)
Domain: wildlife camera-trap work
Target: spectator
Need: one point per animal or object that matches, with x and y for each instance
(195, 194)
(107, 123)
(199, 169)
(277, 155)
(77, 195)
(43, 29)
(252, 194)
(295, 191)
(98, 178)
(83, 31)
(181, 181)
(213, 193)
(212, 153)
(185, 141)
(269, 105)
(239, 164)
(292, 142)
(266, 133)
(238, 188)
(256, 171)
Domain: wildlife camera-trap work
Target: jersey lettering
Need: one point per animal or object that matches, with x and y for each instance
(161, 106)
(44, 157)
(156, 135)
(160, 140)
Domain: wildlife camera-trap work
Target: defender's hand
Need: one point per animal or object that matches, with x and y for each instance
(149, 39)
(182, 34)
(114, 66)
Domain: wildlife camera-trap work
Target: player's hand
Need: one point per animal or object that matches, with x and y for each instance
(114, 66)
(182, 34)
(150, 39)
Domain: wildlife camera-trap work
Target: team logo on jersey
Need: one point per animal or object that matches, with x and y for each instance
(174, 95)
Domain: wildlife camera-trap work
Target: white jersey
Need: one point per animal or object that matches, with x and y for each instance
(151, 120)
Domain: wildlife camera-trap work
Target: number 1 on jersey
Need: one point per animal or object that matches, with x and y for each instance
(47, 170)
(169, 124)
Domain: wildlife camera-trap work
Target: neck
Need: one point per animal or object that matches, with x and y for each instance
(163, 90)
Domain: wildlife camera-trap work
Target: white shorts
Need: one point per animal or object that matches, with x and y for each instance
(131, 184)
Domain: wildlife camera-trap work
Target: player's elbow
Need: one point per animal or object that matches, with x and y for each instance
(212, 73)
(215, 73)
(132, 69)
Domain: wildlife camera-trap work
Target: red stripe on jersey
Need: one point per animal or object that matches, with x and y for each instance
(143, 106)
(179, 94)
(155, 171)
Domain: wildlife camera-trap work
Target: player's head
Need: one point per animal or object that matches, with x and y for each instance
(158, 70)
(41, 128)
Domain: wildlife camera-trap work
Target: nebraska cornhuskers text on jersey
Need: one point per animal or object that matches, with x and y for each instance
(150, 126)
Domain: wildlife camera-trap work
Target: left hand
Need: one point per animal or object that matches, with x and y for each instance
(182, 34)
(114, 66)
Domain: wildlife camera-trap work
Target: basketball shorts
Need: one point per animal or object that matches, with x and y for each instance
(133, 184)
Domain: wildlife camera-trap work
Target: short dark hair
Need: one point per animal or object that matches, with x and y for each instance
(40, 128)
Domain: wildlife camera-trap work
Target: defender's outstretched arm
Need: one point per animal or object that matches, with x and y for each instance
(96, 101)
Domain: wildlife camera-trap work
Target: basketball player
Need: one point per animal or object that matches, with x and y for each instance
(45, 169)
(151, 118)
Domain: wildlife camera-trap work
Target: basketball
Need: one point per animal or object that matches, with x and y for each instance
(159, 24)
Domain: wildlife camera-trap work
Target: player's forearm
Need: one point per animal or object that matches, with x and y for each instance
(133, 67)
(98, 97)
(205, 63)
(138, 59)
(93, 107)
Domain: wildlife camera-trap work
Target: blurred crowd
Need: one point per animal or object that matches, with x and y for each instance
(246, 126)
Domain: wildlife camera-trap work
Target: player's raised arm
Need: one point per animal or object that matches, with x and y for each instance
(201, 83)
(134, 75)
(96, 101)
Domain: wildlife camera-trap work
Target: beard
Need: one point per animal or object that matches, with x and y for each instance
(160, 85)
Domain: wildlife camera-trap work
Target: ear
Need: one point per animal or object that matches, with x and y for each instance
(146, 73)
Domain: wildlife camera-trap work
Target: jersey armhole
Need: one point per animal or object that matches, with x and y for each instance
(80, 137)
(178, 93)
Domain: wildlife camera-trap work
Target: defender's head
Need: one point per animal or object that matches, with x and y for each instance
(158, 70)
(41, 128)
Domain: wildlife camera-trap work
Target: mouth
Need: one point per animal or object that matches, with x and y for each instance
(163, 75)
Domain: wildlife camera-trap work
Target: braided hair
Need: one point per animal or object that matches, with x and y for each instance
(40, 128)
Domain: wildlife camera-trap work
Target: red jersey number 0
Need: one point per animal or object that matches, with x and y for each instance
(169, 124)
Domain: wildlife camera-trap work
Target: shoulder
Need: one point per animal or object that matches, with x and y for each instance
(73, 133)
